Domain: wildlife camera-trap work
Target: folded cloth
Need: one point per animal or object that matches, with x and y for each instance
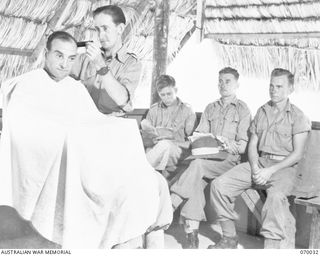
(80, 177)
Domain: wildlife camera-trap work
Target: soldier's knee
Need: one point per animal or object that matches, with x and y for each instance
(218, 186)
(196, 164)
(276, 197)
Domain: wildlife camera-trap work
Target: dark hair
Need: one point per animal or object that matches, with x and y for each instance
(229, 70)
(165, 81)
(283, 72)
(114, 11)
(61, 35)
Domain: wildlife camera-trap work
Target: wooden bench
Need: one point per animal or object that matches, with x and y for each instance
(254, 199)
(313, 207)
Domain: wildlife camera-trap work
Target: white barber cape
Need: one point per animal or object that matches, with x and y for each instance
(80, 177)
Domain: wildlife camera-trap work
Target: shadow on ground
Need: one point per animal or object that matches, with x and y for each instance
(15, 232)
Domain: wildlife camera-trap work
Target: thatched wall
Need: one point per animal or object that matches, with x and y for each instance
(256, 36)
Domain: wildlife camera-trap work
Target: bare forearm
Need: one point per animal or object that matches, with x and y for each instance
(115, 90)
(253, 155)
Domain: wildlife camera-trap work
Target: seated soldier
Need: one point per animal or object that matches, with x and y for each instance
(229, 119)
(171, 121)
(278, 136)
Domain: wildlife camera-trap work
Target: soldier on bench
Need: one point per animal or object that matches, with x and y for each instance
(278, 135)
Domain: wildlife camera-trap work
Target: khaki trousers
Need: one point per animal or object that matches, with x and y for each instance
(275, 212)
(164, 154)
(190, 185)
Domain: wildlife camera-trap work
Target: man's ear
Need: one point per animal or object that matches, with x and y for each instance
(238, 84)
(121, 28)
(46, 51)
(291, 88)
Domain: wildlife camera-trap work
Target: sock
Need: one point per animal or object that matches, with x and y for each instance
(228, 228)
(191, 225)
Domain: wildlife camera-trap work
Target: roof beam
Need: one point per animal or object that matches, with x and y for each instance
(259, 5)
(16, 51)
(284, 35)
(27, 19)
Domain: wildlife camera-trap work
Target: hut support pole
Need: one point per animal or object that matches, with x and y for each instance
(160, 45)
(201, 4)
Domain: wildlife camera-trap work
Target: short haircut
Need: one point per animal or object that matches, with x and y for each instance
(165, 81)
(229, 70)
(283, 72)
(61, 35)
(114, 11)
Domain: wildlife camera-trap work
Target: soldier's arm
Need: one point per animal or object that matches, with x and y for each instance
(253, 154)
(299, 141)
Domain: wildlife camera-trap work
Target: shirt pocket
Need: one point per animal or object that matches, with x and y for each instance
(283, 136)
(284, 130)
(231, 123)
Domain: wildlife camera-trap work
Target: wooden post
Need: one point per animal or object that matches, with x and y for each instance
(201, 6)
(160, 45)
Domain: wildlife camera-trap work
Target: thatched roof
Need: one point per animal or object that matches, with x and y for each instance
(25, 24)
(256, 36)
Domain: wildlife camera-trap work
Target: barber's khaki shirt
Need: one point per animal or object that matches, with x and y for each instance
(275, 131)
(124, 67)
(180, 117)
(231, 121)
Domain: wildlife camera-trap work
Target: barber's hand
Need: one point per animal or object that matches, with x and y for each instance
(94, 54)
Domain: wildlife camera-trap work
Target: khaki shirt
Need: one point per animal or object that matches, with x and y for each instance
(232, 121)
(180, 117)
(275, 137)
(124, 67)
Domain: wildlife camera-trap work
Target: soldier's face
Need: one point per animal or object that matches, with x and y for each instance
(168, 95)
(109, 33)
(279, 88)
(228, 85)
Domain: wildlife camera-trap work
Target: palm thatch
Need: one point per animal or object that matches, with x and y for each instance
(26, 24)
(256, 36)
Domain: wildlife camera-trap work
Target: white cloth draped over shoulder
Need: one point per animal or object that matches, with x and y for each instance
(80, 177)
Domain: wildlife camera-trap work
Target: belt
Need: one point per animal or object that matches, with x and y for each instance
(272, 157)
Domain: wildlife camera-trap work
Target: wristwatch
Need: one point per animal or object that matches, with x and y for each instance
(103, 71)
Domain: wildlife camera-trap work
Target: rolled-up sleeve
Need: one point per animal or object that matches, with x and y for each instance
(190, 122)
(151, 116)
(204, 125)
(244, 124)
(253, 125)
(301, 123)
